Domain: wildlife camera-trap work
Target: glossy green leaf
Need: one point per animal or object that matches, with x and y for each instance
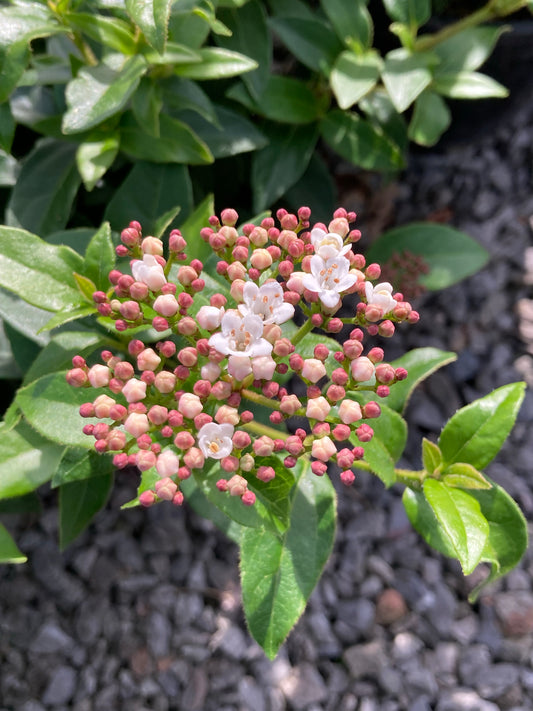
(27, 460)
(77, 238)
(24, 349)
(387, 444)
(69, 314)
(79, 502)
(77, 464)
(450, 254)
(102, 91)
(431, 456)
(230, 135)
(95, 156)
(353, 76)
(284, 99)
(424, 521)
(406, 76)
(8, 365)
(251, 37)
(190, 229)
(7, 128)
(42, 199)
(147, 481)
(291, 8)
(100, 257)
(279, 572)
(464, 476)
(380, 112)
(203, 507)
(13, 61)
(216, 63)
(431, 117)
(25, 318)
(58, 354)
(151, 16)
(413, 13)
(315, 189)
(358, 141)
(52, 406)
(150, 190)
(175, 53)
(310, 41)
(467, 50)
(468, 85)
(351, 21)
(476, 433)
(9, 170)
(281, 163)
(38, 272)
(184, 94)
(86, 286)
(146, 105)
(461, 520)
(110, 31)
(508, 535)
(176, 143)
(9, 552)
(419, 363)
(24, 22)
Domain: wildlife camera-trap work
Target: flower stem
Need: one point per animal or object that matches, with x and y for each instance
(260, 399)
(302, 331)
(260, 429)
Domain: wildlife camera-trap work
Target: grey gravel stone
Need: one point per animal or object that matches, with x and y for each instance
(61, 687)
(51, 639)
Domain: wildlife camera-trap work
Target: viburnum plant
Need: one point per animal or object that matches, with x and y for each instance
(243, 384)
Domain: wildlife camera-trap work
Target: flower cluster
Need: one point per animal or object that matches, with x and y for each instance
(226, 342)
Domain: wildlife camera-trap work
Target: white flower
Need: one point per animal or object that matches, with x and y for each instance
(241, 336)
(266, 301)
(210, 317)
(328, 245)
(149, 272)
(215, 440)
(329, 278)
(380, 295)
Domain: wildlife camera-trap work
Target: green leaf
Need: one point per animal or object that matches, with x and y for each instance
(413, 13)
(431, 118)
(424, 521)
(24, 22)
(353, 76)
(279, 572)
(284, 99)
(86, 286)
(387, 444)
(183, 94)
(176, 143)
(100, 258)
(95, 156)
(148, 480)
(461, 520)
(281, 163)
(28, 503)
(431, 456)
(146, 105)
(13, 61)
(24, 349)
(467, 50)
(77, 238)
(25, 318)
(190, 229)
(351, 21)
(230, 135)
(314, 189)
(52, 406)
(42, 199)
(77, 464)
(79, 502)
(381, 113)
(419, 363)
(508, 536)
(450, 254)
(174, 54)
(102, 91)
(359, 142)
(251, 37)
(9, 552)
(27, 460)
(58, 354)
(406, 76)
(203, 507)
(216, 63)
(476, 433)
(468, 85)
(69, 314)
(7, 128)
(110, 31)
(151, 16)
(9, 170)
(464, 476)
(9, 368)
(311, 41)
(38, 272)
(150, 190)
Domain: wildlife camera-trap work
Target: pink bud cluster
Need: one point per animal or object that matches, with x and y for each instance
(189, 397)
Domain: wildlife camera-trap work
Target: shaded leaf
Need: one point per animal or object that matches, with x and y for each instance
(413, 13)
(467, 50)
(27, 319)
(431, 456)
(190, 229)
(216, 63)
(351, 20)
(353, 76)
(430, 119)
(284, 99)
(9, 552)
(77, 464)
(309, 40)
(95, 156)
(100, 258)
(468, 85)
(79, 501)
(314, 189)
(406, 76)
(110, 31)
(58, 354)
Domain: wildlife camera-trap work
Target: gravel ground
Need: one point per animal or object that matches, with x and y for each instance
(143, 611)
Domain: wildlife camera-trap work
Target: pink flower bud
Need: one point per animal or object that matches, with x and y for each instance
(321, 352)
(321, 429)
(210, 372)
(339, 226)
(334, 325)
(248, 498)
(190, 405)
(400, 373)
(364, 433)
(318, 408)
(241, 439)
(99, 376)
(385, 374)
(166, 305)
(323, 449)
(194, 458)
(236, 289)
(371, 410)
(345, 458)
(159, 324)
(294, 445)
(118, 412)
(285, 268)
(147, 498)
(184, 473)
(77, 377)
(335, 393)
(263, 367)
(165, 382)
(134, 390)
(102, 406)
(187, 326)
(188, 356)
(168, 463)
(229, 464)
(237, 485)
(362, 369)
(347, 477)
(341, 433)
(136, 424)
(352, 348)
(152, 245)
(270, 389)
(184, 440)
(263, 446)
(221, 390)
(313, 370)
(265, 474)
(158, 414)
(165, 489)
(210, 317)
(319, 468)
(87, 409)
(350, 411)
(130, 310)
(295, 282)
(290, 404)
(178, 498)
(148, 360)
(226, 415)
(124, 370)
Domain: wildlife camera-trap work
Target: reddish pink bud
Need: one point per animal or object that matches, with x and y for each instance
(165, 488)
(285, 268)
(87, 409)
(241, 439)
(341, 433)
(347, 477)
(265, 474)
(339, 376)
(202, 388)
(293, 445)
(148, 377)
(229, 217)
(198, 285)
(246, 416)
(276, 418)
(321, 429)
(414, 317)
(186, 275)
(118, 412)
(202, 419)
(77, 377)
(187, 326)
(178, 498)
(263, 446)
(248, 498)
(222, 484)
(304, 213)
(227, 415)
(194, 458)
(176, 242)
(234, 399)
(221, 390)
(157, 414)
(135, 347)
(114, 276)
(115, 385)
(373, 271)
(124, 370)
(147, 498)
(371, 410)
(184, 473)
(270, 389)
(274, 251)
(385, 374)
(400, 374)
(335, 393)
(386, 329)
(290, 404)
(288, 221)
(120, 461)
(289, 462)
(319, 468)
(184, 440)
(364, 433)
(352, 348)
(382, 391)
(334, 325)
(229, 464)
(345, 458)
(144, 441)
(121, 250)
(88, 430)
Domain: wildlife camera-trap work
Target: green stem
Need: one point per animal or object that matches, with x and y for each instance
(260, 399)
(302, 331)
(492, 11)
(264, 430)
(407, 477)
